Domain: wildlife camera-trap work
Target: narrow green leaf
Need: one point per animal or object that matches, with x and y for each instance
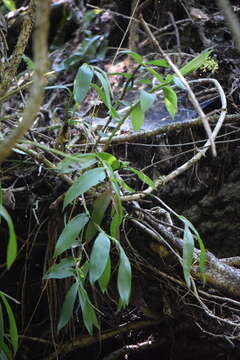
(100, 93)
(100, 206)
(117, 213)
(124, 277)
(69, 234)
(179, 83)
(82, 82)
(138, 58)
(30, 64)
(155, 74)
(105, 85)
(162, 63)
(84, 183)
(12, 324)
(105, 277)
(105, 89)
(137, 117)
(170, 100)
(1, 327)
(62, 270)
(110, 159)
(76, 162)
(10, 5)
(202, 256)
(67, 308)
(188, 248)
(125, 186)
(99, 257)
(115, 225)
(195, 63)
(146, 100)
(12, 242)
(5, 353)
(144, 178)
(88, 313)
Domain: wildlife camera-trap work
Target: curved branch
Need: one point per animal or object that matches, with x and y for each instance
(37, 90)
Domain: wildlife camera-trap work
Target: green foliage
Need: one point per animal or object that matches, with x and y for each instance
(124, 277)
(97, 171)
(30, 64)
(137, 117)
(170, 100)
(188, 248)
(188, 252)
(82, 82)
(10, 4)
(93, 47)
(99, 257)
(12, 242)
(68, 304)
(9, 348)
(84, 183)
(68, 237)
(61, 270)
(89, 76)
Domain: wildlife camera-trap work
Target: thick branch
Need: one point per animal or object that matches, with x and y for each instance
(37, 90)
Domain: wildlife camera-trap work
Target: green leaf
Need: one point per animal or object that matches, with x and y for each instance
(146, 100)
(138, 58)
(5, 353)
(202, 256)
(12, 324)
(155, 74)
(144, 178)
(179, 83)
(137, 117)
(84, 183)
(88, 313)
(170, 100)
(82, 82)
(105, 85)
(69, 234)
(100, 206)
(12, 242)
(10, 5)
(125, 186)
(124, 277)
(110, 159)
(188, 248)
(76, 162)
(117, 213)
(68, 304)
(99, 257)
(30, 64)
(1, 328)
(62, 270)
(162, 63)
(100, 93)
(105, 277)
(195, 63)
